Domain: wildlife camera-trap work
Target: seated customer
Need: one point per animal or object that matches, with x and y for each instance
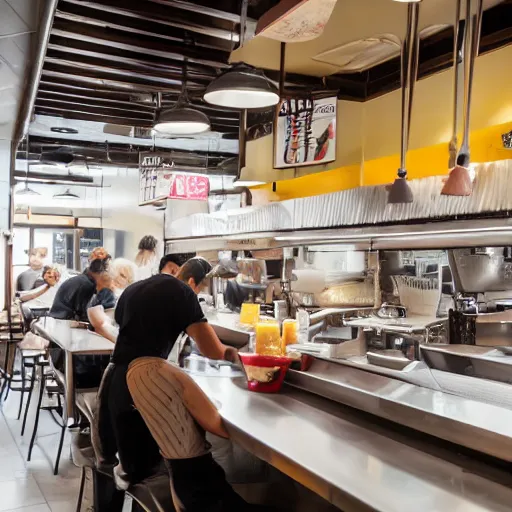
(42, 297)
(73, 296)
(71, 302)
(122, 273)
(31, 278)
(178, 413)
(151, 314)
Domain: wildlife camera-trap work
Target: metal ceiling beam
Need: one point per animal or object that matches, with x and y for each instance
(86, 67)
(77, 145)
(99, 115)
(232, 15)
(196, 24)
(90, 97)
(69, 103)
(145, 43)
(139, 27)
(113, 119)
(128, 67)
(129, 56)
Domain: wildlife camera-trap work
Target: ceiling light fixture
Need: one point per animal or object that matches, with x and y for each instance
(242, 87)
(66, 195)
(181, 119)
(26, 191)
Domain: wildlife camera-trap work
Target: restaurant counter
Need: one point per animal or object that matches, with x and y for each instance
(352, 460)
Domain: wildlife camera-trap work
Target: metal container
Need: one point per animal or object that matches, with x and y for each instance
(493, 333)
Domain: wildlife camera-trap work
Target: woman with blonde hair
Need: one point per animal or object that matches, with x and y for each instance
(121, 274)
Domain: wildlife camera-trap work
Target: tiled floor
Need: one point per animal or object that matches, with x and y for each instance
(31, 486)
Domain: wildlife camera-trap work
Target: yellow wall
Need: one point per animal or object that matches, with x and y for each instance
(370, 133)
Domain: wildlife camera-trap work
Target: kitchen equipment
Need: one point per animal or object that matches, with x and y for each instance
(393, 359)
(400, 192)
(494, 329)
(480, 362)
(459, 182)
(265, 374)
(419, 295)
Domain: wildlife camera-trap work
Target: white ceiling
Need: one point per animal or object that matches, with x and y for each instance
(18, 24)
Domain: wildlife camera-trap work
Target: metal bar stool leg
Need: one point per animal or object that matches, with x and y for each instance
(61, 442)
(29, 398)
(38, 410)
(22, 386)
(81, 491)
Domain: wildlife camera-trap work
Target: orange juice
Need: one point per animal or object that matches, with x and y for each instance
(250, 313)
(268, 339)
(289, 332)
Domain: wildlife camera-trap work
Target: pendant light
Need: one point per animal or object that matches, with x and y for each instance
(400, 192)
(459, 182)
(242, 87)
(180, 119)
(26, 191)
(66, 195)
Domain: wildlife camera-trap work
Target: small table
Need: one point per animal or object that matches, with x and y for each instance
(73, 341)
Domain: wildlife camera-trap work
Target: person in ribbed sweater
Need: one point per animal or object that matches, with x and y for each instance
(151, 314)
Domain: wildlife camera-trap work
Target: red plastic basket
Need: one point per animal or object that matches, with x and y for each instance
(266, 362)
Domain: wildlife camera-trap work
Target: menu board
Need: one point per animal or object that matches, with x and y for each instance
(159, 179)
(305, 132)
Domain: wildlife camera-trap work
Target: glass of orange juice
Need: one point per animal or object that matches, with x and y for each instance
(250, 314)
(268, 339)
(289, 332)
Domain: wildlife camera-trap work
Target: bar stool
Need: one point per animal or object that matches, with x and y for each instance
(151, 495)
(52, 383)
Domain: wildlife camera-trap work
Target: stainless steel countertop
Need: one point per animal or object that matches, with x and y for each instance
(352, 463)
(75, 341)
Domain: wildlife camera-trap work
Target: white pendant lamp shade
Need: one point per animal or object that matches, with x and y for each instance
(243, 88)
(181, 121)
(66, 195)
(26, 191)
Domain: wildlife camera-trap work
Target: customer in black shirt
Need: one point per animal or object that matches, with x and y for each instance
(151, 314)
(71, 302)
(76, 294)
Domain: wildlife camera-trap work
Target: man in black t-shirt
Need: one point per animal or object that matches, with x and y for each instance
(151, 314)
(74, 295)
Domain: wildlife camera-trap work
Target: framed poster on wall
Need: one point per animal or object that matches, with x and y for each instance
(305, 132)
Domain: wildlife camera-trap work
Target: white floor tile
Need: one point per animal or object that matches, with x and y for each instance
(35, 508)
(20, 493)
(63, 506)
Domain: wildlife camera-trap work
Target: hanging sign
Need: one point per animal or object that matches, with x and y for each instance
(160, 180)
(305, 132)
